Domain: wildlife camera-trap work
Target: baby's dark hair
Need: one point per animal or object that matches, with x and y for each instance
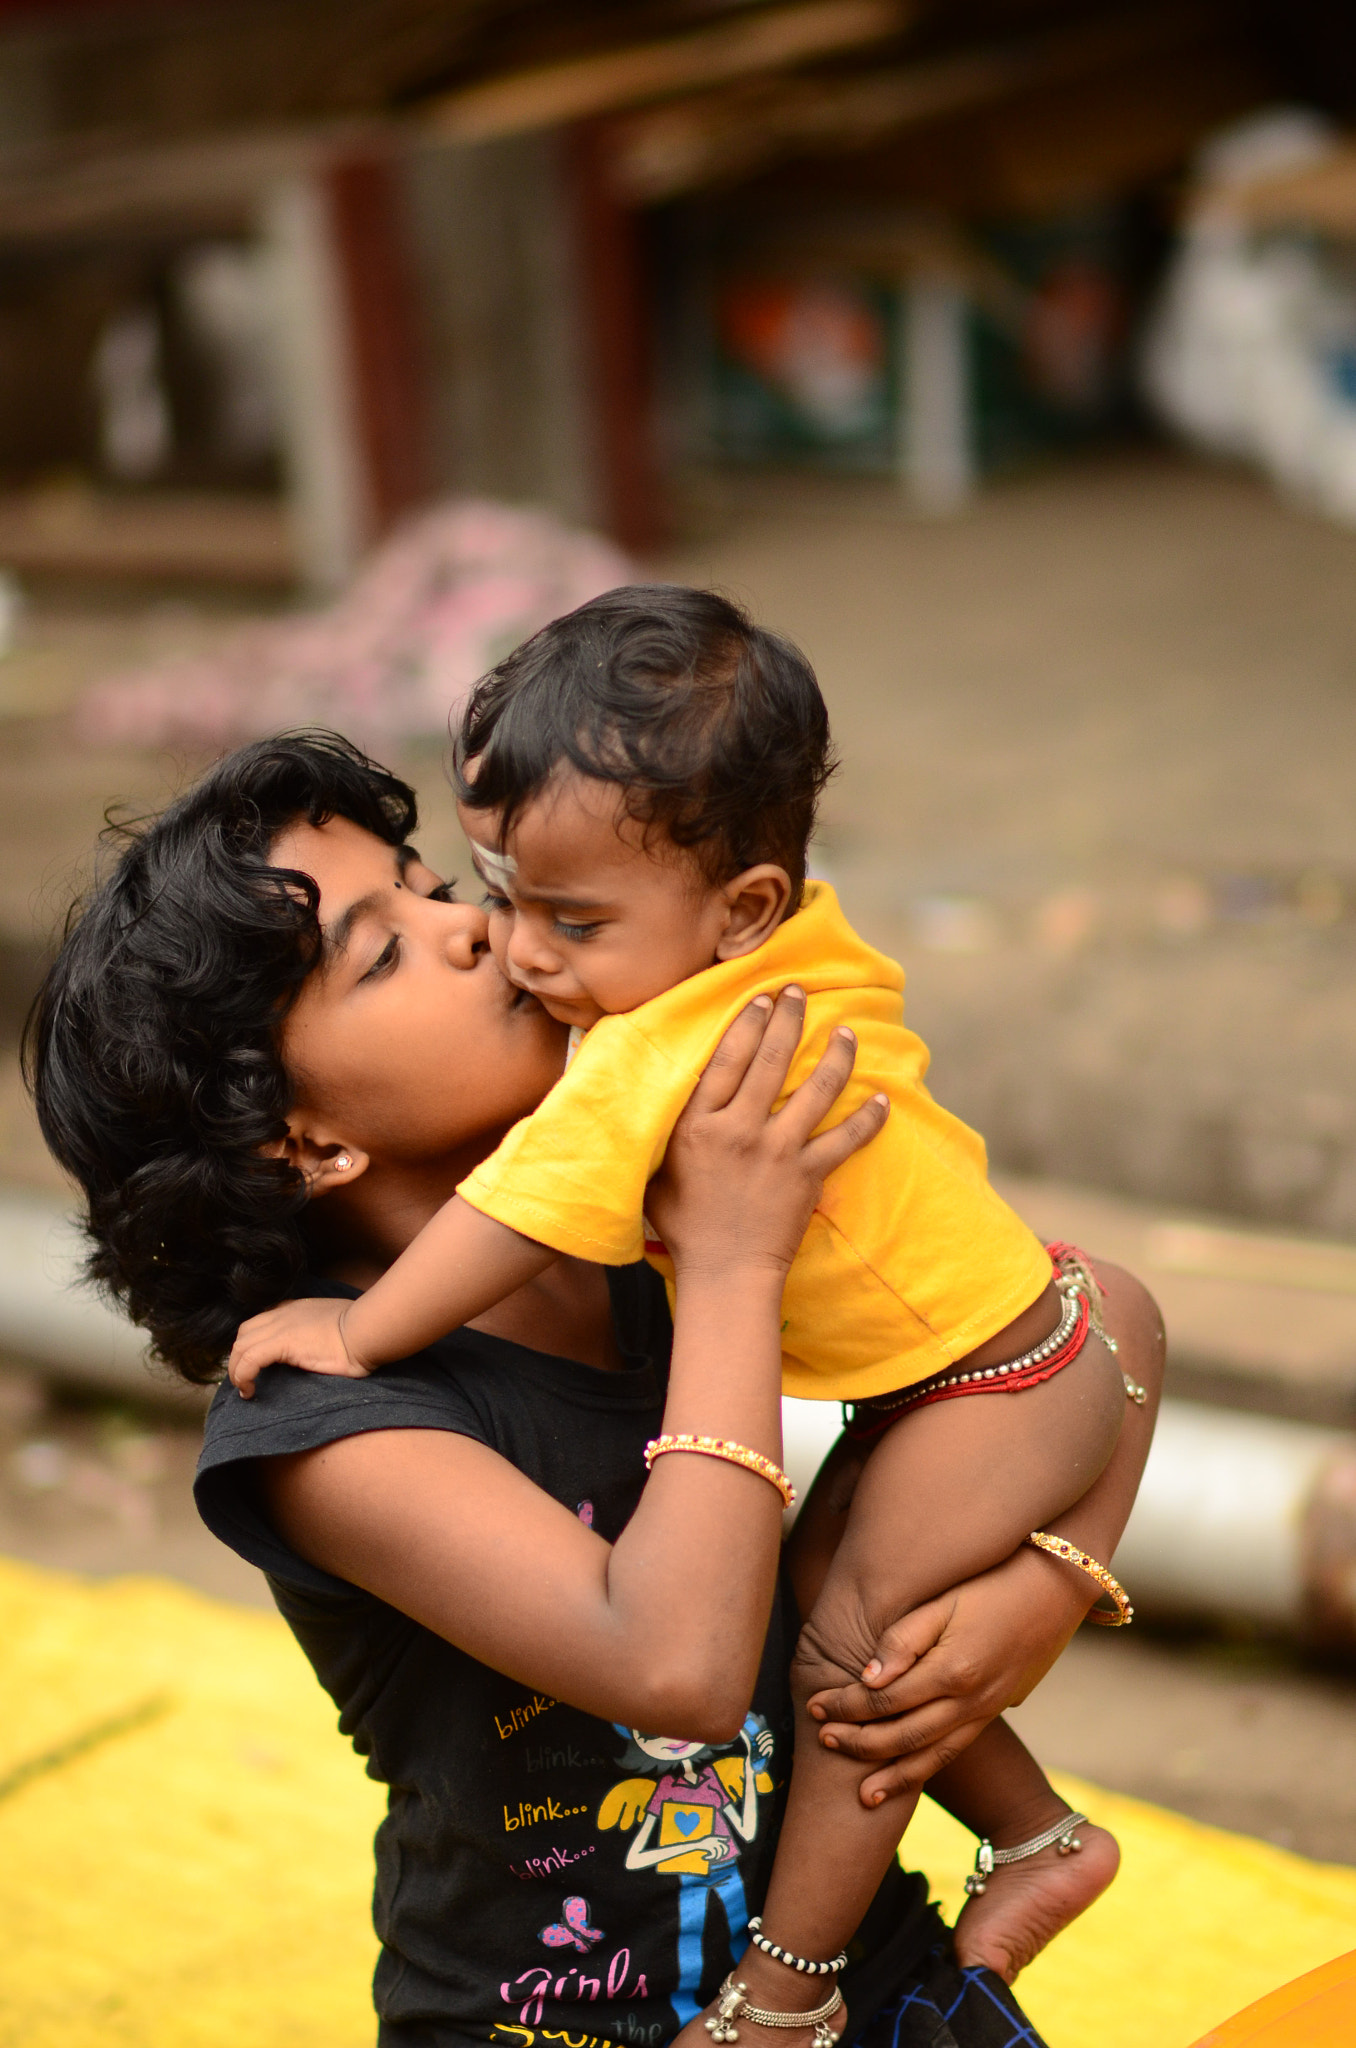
(714, 729)
(152, 1049)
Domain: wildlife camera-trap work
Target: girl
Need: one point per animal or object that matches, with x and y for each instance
(462, 1544)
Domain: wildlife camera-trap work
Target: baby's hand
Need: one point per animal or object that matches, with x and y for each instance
(309, 1334)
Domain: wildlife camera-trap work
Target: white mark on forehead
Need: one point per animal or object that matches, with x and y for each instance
(498, 869)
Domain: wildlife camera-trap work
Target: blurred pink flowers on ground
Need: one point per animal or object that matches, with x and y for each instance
(438, 604)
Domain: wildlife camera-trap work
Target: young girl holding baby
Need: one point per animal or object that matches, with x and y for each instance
(639, 785)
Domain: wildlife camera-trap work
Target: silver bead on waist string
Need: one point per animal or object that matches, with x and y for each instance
(1037, 1355)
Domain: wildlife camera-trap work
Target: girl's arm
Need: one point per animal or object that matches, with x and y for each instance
(459, 1265)
(664, 1628)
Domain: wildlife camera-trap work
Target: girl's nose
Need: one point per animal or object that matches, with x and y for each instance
(466, 934)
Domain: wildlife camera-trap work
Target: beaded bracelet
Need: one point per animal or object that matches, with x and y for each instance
(787, 1956)
(734, 1454)
(1057, 1546)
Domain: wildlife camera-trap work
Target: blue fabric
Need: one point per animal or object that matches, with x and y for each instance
(694, 1892)
(948, 2007)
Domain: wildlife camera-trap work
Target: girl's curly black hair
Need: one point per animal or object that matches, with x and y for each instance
(152, 1049)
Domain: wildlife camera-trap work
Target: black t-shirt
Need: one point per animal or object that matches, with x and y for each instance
(539, 1871)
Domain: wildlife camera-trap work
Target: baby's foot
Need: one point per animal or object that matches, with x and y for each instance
(772, 1987)
(1025, 1905)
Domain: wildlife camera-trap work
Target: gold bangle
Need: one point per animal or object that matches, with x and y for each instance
(734, 1454)
(1057, 1546)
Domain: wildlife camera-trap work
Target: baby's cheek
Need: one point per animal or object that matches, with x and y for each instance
(501, 930)
(623, 987)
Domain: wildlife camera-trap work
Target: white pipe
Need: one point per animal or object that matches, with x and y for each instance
(810, 1429)
(1223, 1507)
(50, 1318)
(1238, 1515)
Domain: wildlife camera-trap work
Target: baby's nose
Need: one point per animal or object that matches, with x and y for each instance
(529, 951)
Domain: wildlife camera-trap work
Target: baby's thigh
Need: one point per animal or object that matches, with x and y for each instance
(953, 1488)
(822, 1519)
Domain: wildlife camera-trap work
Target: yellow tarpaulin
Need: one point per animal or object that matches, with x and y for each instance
(185, 1853)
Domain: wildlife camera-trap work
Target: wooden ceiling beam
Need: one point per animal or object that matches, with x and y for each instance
(718, 137)
(762, 40)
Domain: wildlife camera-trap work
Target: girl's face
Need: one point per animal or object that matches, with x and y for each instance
(407, 1039)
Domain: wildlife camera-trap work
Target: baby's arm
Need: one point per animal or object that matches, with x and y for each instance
(459, 1265)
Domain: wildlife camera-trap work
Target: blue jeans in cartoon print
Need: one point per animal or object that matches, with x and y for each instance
(693, 1897)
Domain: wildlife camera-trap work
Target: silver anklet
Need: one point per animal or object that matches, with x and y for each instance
(732, 2004)
(987, 1858)
(785, 1955)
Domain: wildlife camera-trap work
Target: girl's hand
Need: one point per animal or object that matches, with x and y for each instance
(309, 1334)
(739, 1183)
(947, 1669)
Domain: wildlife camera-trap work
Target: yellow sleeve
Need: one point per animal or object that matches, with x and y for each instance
(573, 1174)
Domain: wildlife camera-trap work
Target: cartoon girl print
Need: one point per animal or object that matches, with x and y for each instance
(690, 1820)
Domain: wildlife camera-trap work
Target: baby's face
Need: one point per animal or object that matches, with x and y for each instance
(582, 912)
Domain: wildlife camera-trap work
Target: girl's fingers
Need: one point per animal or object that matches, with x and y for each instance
(808, 1106)
(730, 1062)
(765, 1075)
(828, 1151)
(903, 1738)
(910, 1774)
(928, 1679)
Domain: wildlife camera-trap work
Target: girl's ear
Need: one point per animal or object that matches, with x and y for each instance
(324, 1162)
(755, 902)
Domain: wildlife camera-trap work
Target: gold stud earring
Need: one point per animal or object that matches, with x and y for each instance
(343, 1162)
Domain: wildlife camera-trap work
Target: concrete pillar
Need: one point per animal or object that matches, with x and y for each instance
(499, 285)
(367, 209)
(322, 457)
(351, 379)
(936, 442)
(618, 347)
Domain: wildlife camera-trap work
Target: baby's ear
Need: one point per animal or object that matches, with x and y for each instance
(756, 902)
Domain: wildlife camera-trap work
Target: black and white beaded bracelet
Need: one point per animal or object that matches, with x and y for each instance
(793, 1962)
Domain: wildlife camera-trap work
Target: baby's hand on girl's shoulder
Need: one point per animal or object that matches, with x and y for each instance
(308, 1334)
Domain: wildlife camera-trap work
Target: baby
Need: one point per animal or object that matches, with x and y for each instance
(639, 785)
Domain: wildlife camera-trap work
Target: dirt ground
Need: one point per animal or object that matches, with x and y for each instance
(1099, 740)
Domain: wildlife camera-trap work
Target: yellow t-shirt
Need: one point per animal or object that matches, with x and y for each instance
(911, 1260)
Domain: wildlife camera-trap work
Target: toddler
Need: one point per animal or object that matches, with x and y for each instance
(639, 784)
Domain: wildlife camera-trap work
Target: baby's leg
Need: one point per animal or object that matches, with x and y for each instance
(997, 1789)
(947, 1493)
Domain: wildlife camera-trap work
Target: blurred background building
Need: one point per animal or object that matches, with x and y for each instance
(339, 259)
